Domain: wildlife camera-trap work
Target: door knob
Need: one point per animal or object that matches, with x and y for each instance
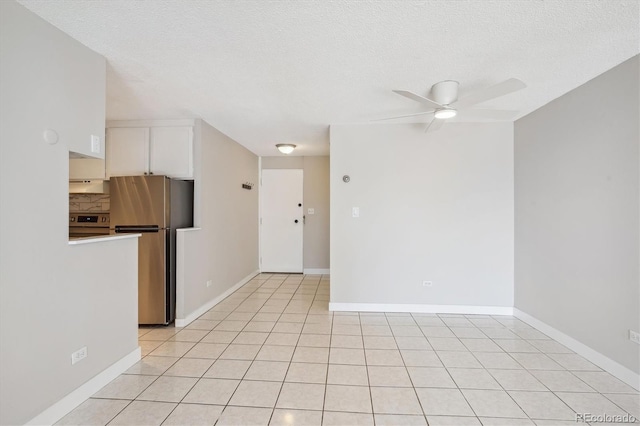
(296, 221)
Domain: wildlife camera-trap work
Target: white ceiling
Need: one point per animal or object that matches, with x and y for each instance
(267, 72)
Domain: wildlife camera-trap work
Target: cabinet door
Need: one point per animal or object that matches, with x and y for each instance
(171, 152)
(127, 151)
(86, 169)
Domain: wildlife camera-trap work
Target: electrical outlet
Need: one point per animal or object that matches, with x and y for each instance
(427, 283)
(79, 355)
(209, 283)
(634, 336)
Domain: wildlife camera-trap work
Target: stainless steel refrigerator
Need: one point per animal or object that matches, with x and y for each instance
(154, 206)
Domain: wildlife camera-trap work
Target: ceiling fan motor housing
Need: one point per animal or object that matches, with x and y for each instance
(445, 92)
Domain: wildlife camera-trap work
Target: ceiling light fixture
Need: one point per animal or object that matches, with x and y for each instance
(445, 113)
(285, 148)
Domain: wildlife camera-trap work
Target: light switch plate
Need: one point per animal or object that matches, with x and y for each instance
(95, 144)
(355, 212)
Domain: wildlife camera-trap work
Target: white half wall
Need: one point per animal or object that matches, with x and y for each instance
(55, 298)
(578, 214)
(433, 207)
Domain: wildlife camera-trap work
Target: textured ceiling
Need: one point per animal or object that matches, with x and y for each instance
(267, 72)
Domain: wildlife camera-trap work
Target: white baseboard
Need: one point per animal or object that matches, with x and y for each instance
(620, 371)
(183, 322)
(312, 271)
(428, 309)
(81, 394)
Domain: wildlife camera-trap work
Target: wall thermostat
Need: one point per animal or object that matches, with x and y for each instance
(346, 178)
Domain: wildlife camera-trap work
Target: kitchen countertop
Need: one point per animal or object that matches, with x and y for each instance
(100, 239)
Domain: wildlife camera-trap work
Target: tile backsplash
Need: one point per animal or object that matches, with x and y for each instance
(87, 202)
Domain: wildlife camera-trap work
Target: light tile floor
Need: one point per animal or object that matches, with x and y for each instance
(272, 354)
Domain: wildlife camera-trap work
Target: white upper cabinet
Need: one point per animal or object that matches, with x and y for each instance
(127, 151)
(171, 151)
(156, 149)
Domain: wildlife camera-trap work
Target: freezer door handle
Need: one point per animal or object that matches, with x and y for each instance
(134, 229)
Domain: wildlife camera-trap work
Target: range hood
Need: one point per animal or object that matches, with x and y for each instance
(91, 186)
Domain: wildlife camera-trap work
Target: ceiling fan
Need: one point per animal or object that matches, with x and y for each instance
(445, 103)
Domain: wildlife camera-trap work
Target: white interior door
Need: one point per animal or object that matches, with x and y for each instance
(281, 229)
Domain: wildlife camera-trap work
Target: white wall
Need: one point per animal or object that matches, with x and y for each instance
(225, 248)
(435, 207)
(54, 298)
(316, 196)
(577, 214)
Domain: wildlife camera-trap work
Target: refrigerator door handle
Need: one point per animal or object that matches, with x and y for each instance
(134, 229)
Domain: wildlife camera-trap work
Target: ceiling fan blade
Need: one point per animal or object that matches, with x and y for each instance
(495, 114)
(435, 125)
(495, 91)
(418, 98)
(403, 116)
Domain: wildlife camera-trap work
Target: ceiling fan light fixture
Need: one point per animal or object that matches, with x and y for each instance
(445, 113)
(285, 148)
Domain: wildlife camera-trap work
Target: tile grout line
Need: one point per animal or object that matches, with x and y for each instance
(202, 376)
(500, 384)
(257, 353)
(199, 378)
(297, 299)
(275, 404)
(404, 364)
